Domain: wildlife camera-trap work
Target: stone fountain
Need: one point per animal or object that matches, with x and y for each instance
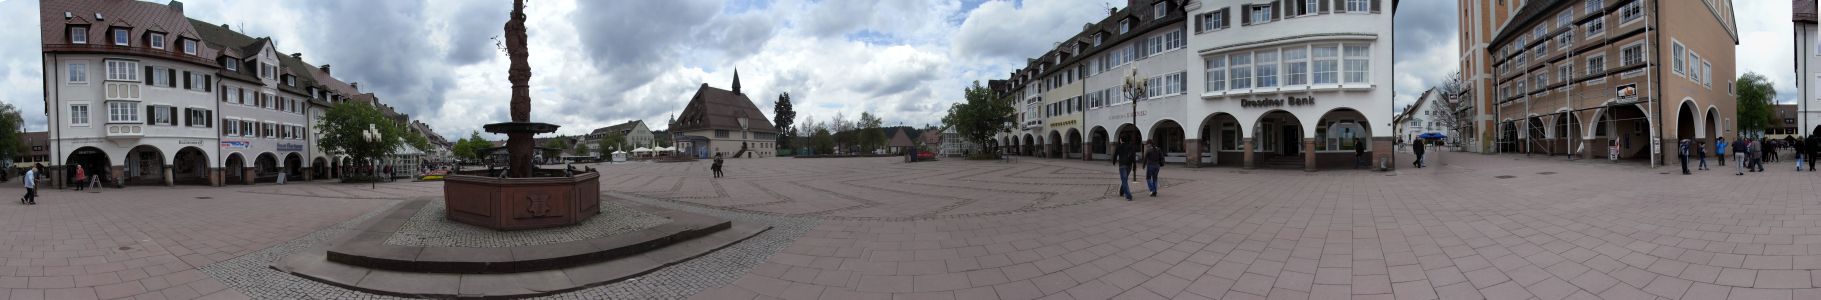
(521, 196)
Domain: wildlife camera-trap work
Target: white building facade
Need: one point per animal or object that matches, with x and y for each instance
(1808, 66)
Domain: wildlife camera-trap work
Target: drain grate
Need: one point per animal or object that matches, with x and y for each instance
(1545, 173)
(1505, 177)
(205, 198)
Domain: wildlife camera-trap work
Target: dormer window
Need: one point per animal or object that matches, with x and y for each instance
(1098, 38)
(1160, 10)
(1125, 26)
(189, 46)
(121, 38)
(79, 34)
(231, 64)
(291, 80)
(157, 41)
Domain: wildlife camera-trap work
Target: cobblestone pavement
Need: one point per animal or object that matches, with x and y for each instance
(1469, 227)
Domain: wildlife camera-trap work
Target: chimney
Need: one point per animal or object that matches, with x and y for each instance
(356, 86)
(1131, 3)
(225, 26)
(325, 68)
(298, 55)
(177, 6)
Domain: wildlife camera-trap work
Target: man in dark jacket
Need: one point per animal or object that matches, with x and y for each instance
(1124, 158)
(1153, 161)
(1417, 146)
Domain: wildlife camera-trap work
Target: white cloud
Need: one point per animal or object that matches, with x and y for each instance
(1767, 44)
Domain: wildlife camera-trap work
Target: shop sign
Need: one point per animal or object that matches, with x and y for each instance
(1269, 102)
(1628, 91)
(1123, 116)
(235, 144)
(1063, 123)
(189, 142)
(290, 147)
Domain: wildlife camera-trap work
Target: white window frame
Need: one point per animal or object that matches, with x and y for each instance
(1214, 69)
(231, 64)
(1259, 66)
(118, 114)
(1234, 71)
(83, 118)
(1593, 67)
(230, 126)
(1642, 58)
(122, 36)
(1677, 50)
(161, 77)
(161, 115)
(1694, 66)
(1311, 7)
(157, 41)
(1315, 74)
(1260, 12)
(1707, 78)
(1347, 71)
(1596, 28)
(1161, 10)
(1292, 73)
(198, 82)
(79, 35)
(1594, 6)
(116, 67)
(197, 117)
(1635, 10)
(1365, 6)
(77, 72)
(1125, 26)
(1565, 40)
(189, 46)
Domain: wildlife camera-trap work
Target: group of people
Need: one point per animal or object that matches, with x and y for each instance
(1750, 153)
(1128, 156)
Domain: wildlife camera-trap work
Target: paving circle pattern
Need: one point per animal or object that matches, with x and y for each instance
(429, 228)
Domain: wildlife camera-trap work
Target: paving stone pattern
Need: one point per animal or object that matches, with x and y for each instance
(429, 228)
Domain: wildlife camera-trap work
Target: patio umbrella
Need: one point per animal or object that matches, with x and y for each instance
(1432, 135)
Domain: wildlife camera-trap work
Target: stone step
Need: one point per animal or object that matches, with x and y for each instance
(314, 264)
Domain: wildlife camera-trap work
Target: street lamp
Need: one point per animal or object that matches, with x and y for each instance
(1134, 89)
(371, 135)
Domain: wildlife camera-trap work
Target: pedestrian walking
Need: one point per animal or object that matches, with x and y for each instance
(716, 167)
(31, 185)
(1720, 150)
(1417, 146)
(1122, 157)
(1801, 152)
(1739, 153)
(81, 177)
(1814, 147)
(1770, 151)
(1701, 153)
(1359, 154)
(1153, 162)
(1682, 154)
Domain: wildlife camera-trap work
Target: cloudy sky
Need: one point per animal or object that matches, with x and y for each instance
(599, 63)
(1428, 39)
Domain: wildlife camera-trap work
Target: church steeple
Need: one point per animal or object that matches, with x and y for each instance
(736, 81)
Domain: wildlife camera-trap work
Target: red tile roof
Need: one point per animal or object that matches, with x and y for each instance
(140, 16)
(714, 108)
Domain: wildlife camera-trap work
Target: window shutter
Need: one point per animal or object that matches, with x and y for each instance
(207, 85)
(186, 80)
(148, 75)
(1375, 6)
(1323, 6)
(1340, 6)
(148, 114)
(186, 117)
(1226, 17)
(208, 118)
(174, 115)
(1277, 10)
(1201, 21)
(1245, 15)
(172, 73)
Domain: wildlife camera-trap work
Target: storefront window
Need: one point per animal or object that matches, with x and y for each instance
(1343, 135)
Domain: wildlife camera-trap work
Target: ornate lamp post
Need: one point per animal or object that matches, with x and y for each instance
(1134, 89)
(371, 135)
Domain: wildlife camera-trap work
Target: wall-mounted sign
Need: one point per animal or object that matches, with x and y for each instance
(189, 142)
(1628, 91)
(290, 147)
(1268, 102)
(1063, 123)
(1124, 116)
(235, 144)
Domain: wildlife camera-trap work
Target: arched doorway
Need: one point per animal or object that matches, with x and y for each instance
(293, 166)
(191, 166)
(1535, 135)
(93, 162)
(1040, 149)
(1713, 124)
(234, 169)
(1028, 145)
(1685, 121)
(1625, 126)
(1508, 137)
(1221, 139)
(1074, 143)
(1100, 142)
(144, 166)
(320, 168)
(1568, 127)
(1128, 133)
(1341, 135)
(1169, 137)
(1278, 134)
(1053, 149)
(265, 167)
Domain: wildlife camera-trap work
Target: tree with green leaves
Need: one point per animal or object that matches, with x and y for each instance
(979, 117)
(783, 116)
(822, 142)
(344, 126)
(470, 148)
(1755, 103)
(612, 142)
(553, 148)
(871, 136)
(580, 150)
(11, 122)
(417, 140)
